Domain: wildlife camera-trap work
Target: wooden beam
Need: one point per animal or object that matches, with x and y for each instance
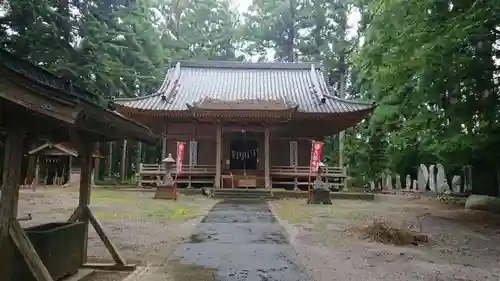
(218, 155)
(188, 137)
(120, 261)
(28, 252)
(109, 266)
(76, 215)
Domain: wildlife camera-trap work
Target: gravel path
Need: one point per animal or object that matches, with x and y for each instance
(459, 249)
(236, 241)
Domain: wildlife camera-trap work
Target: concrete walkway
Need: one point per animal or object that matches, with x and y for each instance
(237, 241)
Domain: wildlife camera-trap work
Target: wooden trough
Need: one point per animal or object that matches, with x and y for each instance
(62, 112)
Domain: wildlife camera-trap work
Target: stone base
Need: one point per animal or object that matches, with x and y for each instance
(320, 196)
(166, 192)
(483, 203)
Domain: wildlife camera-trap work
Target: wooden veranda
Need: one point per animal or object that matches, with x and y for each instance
(62, 112)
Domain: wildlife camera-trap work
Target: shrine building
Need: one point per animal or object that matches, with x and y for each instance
(245, 125)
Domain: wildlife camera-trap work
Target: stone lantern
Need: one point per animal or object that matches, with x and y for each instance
(320, 192)
(168, 164)
(167, 188)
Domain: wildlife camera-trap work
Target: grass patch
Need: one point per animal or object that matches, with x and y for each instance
(136, 206)
(169, 212)
(292, 210)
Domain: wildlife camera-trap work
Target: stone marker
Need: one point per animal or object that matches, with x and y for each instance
(415, 187)
(441, 182)
(422, 178)
(467, 176)
(398, 181)
(432, 178)
(388, 182)
(372, 185)
(408, 182)
(456, 183)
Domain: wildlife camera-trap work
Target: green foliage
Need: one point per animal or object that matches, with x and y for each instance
(430, 67)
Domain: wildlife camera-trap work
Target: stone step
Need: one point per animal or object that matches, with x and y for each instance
(222, 193)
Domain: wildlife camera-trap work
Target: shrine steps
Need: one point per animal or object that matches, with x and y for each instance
(235, 193)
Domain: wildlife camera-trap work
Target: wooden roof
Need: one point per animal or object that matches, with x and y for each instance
(65, 148)
(42, 93)
(235, 86)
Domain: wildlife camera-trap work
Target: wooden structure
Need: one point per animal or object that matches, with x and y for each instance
(62, 112)
(55, 163)
(245, 124)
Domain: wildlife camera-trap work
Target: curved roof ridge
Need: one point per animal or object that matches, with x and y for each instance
(349, 101)
(138, 98)
(248, 65)
(161, 90)
(329, 89)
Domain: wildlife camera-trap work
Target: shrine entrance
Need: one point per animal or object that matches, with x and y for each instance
(243, 154)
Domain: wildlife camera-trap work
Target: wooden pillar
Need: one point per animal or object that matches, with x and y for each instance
(14, 151)
(124, 161)
(70, 167)
(36, 180)
(341, 134)
(164, 144)
(85, 155)
(218, 155)
(110, 160)
(138, 157)
(97, 161)
(266, 158)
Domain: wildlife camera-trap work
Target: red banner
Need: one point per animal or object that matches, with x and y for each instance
(180, 157)
(316, 155)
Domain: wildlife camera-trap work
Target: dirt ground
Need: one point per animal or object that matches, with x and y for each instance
(144, 230)
(463, 245)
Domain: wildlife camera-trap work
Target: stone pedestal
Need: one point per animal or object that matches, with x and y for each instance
(320, 196)
(166, 192)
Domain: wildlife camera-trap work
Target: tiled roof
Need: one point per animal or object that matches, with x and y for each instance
(299, 84)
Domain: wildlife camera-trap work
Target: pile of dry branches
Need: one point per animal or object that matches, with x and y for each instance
(383, 232)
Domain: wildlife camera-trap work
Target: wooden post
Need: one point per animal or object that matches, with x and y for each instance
(124, 161)
(14, 151)
(36, 180)
(138, 164)
(164, 144)
(341, 134)
(110, 160)
(97, 161)
(9, 226)
(218, 155)
(70, 167)
(138, 156)
(266, 159)
(85, 155)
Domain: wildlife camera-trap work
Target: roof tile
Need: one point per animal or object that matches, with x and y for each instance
(237, 81)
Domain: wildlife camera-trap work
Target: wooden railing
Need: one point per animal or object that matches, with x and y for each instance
(157, 169)
(304, 171)
(281, 175)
